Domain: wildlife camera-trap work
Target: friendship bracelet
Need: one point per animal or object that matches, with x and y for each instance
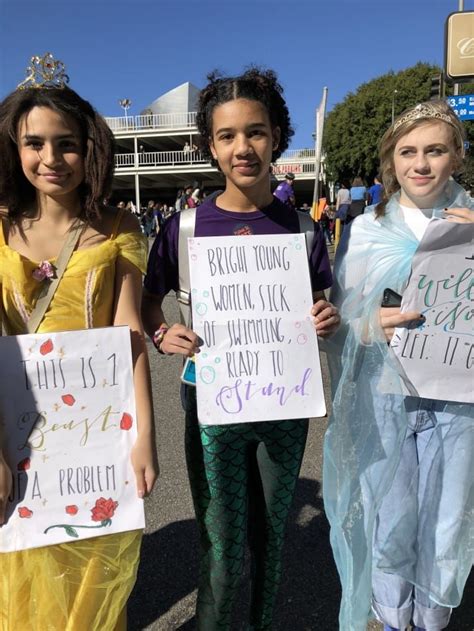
(158, 336)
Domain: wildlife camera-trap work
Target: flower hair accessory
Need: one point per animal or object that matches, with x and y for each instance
(44, 270)
(423, 110)
(44, 72)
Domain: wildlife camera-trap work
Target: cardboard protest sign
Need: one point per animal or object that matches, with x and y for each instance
(251, 300)
(436, 360)
(67, 411)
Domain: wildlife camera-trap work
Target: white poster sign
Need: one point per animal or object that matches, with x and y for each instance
(251, 300)
(436, 360)
(67, 411)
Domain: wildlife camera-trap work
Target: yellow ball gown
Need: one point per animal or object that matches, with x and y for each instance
(80, 586)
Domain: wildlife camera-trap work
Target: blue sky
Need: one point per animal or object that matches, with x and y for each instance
(140, 49)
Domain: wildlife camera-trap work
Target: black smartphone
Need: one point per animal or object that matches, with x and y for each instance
(391, 298)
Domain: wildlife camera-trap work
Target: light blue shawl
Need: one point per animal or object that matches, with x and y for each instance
(367, 428)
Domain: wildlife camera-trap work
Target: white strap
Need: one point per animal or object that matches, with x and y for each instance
(187, 223)
(49, 289)
(306, 224)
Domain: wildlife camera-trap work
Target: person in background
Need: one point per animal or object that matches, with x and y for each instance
(180, 202)
(343, 202)
(358, 194)
(188, 197)
(305, 208)
(374, 194)
(324, 222)
(285, 193)
(148, 220)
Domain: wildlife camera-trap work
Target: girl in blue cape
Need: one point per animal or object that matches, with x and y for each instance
(398, 472)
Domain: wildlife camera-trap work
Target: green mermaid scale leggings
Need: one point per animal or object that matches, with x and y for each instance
(242, 478)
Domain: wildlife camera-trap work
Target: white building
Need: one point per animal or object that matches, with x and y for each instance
(157, 153)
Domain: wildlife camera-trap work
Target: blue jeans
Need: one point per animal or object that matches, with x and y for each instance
(420, 486)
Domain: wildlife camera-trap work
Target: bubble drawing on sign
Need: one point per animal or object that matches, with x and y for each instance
(201, 308)
(207, 374)
(302, 338)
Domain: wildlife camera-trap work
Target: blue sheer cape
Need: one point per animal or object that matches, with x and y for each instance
(367, 428)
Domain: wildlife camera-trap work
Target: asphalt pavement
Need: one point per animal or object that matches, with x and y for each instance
(165, 592)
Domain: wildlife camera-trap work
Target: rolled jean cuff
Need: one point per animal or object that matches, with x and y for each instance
(431, 619)
(393, 616)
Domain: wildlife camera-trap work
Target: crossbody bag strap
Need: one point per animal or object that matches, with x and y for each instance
(49, 289)
(187, 223)
(306, 225)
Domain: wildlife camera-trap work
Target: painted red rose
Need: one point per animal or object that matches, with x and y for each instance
(24, 512)
(24, 464)
(126, 421)
(46, 347)
(68, 399)
(103, 509)
(71, 509)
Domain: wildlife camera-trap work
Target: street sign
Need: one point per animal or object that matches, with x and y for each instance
(463, 106)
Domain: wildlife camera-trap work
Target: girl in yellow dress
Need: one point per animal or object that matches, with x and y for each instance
(56, 166)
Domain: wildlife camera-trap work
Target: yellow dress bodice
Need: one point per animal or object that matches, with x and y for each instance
(84, 297)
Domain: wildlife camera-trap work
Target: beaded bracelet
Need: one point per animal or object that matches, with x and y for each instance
(158, 336)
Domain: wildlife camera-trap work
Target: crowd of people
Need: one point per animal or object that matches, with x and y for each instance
(398, 483)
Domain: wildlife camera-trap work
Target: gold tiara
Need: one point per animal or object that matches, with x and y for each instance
(423, 110)
(44, 72)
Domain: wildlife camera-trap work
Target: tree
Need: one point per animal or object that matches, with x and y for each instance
(354, 127)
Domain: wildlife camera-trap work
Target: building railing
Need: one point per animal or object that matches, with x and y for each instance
(298, 154)
(291, 161)
(147, 122)
(158, 158)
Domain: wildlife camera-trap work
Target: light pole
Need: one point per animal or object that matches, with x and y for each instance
(393, 105)
(125, 104)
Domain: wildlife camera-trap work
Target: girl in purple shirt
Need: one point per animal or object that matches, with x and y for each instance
(243, 475)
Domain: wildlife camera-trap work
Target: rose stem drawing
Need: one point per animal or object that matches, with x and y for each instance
(103, 511)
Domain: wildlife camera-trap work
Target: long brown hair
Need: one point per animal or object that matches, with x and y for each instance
(97, 141)
(428, 112)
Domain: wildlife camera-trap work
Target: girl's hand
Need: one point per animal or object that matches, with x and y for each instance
(459, 215)
(326, 318)
(5, 486)
(391, 317)
(145, 465)
(180, 339)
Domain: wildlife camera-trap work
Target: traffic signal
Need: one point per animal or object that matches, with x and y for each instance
(436, 88)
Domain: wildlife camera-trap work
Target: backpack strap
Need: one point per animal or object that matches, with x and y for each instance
(187, 223)
(306, 224)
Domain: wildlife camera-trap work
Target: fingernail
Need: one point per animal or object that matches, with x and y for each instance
(141, 494)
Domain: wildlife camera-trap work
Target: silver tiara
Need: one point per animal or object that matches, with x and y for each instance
(423, 110)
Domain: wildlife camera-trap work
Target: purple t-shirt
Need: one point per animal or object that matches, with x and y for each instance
(211, 221)
(284, 192)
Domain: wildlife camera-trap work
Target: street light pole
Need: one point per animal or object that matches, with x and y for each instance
(318, 146)
(125, 104)
(393, 105)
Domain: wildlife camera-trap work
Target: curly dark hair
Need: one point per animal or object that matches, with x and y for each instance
(97, 141)
(255, 84)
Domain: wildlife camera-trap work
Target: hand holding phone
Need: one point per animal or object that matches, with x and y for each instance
(391, 298)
